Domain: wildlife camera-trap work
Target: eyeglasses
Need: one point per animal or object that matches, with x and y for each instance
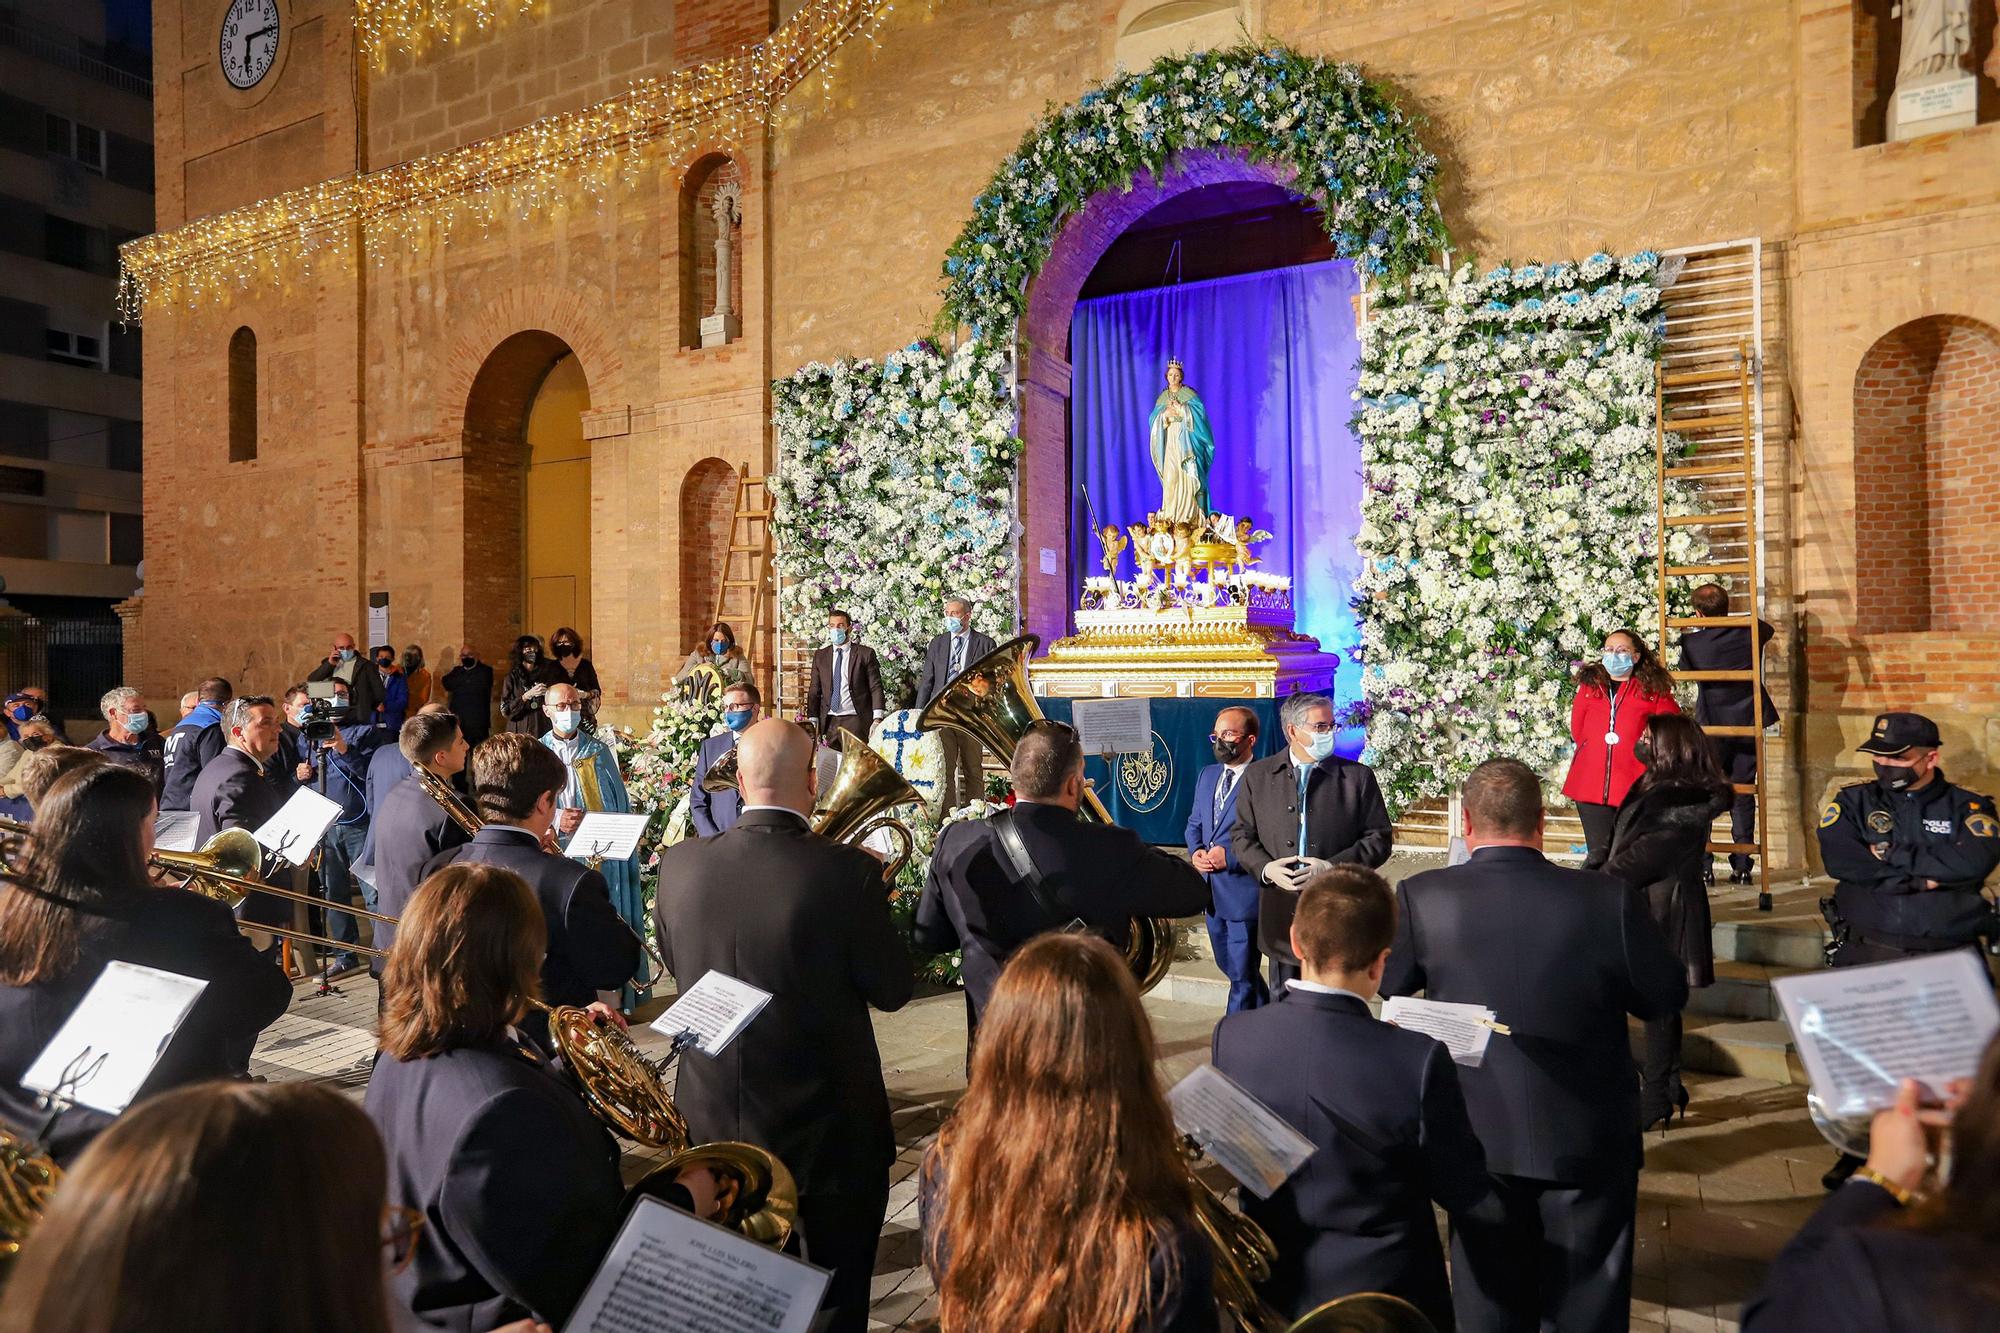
(1316, 728)
(400, 1228)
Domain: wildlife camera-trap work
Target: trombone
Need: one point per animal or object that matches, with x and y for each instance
(991, 702)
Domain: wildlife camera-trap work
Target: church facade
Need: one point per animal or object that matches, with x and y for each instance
(535, 416)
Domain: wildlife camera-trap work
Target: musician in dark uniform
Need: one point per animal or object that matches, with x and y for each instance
(1344, 820)
(1908, 852)
(1727, 703)
(775, 905)
(240, 788)
(93, 833)
(715, 812)
(408, 827)
(516, 1180)
(977, 899)
(516, 780)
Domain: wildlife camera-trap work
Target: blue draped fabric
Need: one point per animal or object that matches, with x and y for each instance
(1275, 358)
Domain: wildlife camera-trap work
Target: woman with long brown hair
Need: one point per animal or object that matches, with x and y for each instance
(1614, 697)
(82, 899)
(1660, 848)
(1896, 1247)
(174, 1220)
(1055, 1199)
(719, 650)
(517, 1182)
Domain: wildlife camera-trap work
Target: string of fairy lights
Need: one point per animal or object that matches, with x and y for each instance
(389, 28)
(565, 161)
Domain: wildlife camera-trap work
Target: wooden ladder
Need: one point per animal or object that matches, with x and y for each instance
(746, 572)
(1713, 412)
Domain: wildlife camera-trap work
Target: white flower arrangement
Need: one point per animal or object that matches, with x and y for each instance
(1343, 139)
(894, 492)
(1507, 518)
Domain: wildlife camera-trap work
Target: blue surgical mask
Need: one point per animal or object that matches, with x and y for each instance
(1620, 664)
(718, 646)
(836, 637)
(567, 719)
(954, 625)
(736, 719)
(347, 654)
(135, 722)
(1319, 744)
(22, 712)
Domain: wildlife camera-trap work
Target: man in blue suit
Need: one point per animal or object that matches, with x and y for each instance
(715, 812)
(1383, 1109)
(1232, 914)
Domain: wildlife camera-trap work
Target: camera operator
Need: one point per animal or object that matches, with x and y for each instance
(468, 687)
(363, 680)
(330, 754)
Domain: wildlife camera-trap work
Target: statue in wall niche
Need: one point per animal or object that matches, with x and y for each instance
(722, 325)
(1937, 37)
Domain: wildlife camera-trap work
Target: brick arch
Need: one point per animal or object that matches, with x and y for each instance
(1927, 498)
(708, 511)
(578, 316)
(1044, 369)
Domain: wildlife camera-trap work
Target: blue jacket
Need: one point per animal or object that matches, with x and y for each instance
(346, 776)
(1233, 890)
(713, 812)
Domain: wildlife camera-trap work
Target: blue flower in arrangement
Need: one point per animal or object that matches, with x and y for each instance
(842, 410)
(1572, 298)
(902, 418)
(946, 405)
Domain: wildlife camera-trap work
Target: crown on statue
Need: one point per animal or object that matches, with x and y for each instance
(1174, 363)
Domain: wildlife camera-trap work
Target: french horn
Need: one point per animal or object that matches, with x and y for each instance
(627, 1090)
(991, 702)
(1243, 1251)
(28, 1176)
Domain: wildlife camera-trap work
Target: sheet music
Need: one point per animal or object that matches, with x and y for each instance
(174, 830)
(1114, 726)
(1244, 1137)
(715, 1009)
(1862, 1030)
(296, 829)
(671, 1272)
(111, 1041)
(613, 837)
(1463, 1028)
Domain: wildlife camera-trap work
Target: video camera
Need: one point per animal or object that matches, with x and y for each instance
(324, 712)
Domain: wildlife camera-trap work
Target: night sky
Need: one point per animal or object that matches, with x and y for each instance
(129, 22)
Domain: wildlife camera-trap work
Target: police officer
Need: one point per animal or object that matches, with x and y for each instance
(1909, 852)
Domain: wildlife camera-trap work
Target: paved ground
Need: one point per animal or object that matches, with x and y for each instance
(1720, 1194)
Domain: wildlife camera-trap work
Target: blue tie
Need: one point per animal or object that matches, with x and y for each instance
(957, 655)
(1305, 780)
(1222, 790)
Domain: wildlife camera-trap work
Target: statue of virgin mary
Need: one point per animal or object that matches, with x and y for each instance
(1183, 449)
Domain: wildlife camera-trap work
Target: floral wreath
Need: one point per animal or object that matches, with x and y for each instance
(1343, 138)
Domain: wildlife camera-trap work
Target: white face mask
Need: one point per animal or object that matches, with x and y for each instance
(567, 719)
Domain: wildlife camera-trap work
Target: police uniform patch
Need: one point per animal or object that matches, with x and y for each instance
(1881, 821)
(1829, 816)
(1982, 825)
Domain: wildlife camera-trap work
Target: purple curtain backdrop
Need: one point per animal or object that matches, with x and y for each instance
(1275, 358)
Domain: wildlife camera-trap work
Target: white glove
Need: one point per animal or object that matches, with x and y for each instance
(1292, 874)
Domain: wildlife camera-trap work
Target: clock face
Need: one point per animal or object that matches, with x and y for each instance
(249, 41)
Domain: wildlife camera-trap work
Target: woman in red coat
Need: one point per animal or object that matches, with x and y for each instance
(1613, 700)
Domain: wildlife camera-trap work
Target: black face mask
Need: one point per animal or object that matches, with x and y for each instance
(466, 661)
(1893, 778)
(1226, 751)
(1642, 750)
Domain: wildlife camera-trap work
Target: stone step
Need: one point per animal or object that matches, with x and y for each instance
(1741, 990)
(1757, 1048)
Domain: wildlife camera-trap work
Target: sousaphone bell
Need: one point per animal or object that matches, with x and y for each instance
(991, 702)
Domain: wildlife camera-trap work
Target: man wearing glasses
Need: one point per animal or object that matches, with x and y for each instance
(1300, 812)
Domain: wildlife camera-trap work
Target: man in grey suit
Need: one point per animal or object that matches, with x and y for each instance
(948, 654)
(772, 903)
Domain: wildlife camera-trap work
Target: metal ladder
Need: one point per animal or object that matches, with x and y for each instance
(750, 547)
(1712, 409)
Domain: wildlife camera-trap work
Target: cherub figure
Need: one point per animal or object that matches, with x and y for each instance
(1142, 558)
(1114, 544)
(1247, 534)
(1183, 553)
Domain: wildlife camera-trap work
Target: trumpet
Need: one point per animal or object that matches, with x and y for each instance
(628, 1092)
(227, 867)
(990, 701)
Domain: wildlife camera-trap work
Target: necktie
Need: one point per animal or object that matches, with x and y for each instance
(957, 655)
(1305, 779)
(840, 681)
(1222, 790)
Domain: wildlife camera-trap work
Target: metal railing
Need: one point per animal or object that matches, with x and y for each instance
(68, 51)
(75, 658)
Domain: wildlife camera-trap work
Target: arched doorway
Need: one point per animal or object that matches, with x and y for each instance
(708, 511)
(1926, 427)
(527, 556)
(1045, 481)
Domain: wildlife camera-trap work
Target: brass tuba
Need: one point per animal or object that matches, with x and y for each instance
(991, 702)
(28, 1176)
(627, 1090)
(865, 789)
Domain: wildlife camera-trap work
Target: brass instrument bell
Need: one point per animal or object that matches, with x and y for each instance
(991, 701)
(1243, 1252)
(28, 1176)
(227, 868)
(865, 789)
(1364, 1312)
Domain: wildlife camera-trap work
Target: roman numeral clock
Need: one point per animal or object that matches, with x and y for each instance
(249, 44)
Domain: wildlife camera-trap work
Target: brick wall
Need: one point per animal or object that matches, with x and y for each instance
(1892, 557)
(708, 511)
(1962, 433)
